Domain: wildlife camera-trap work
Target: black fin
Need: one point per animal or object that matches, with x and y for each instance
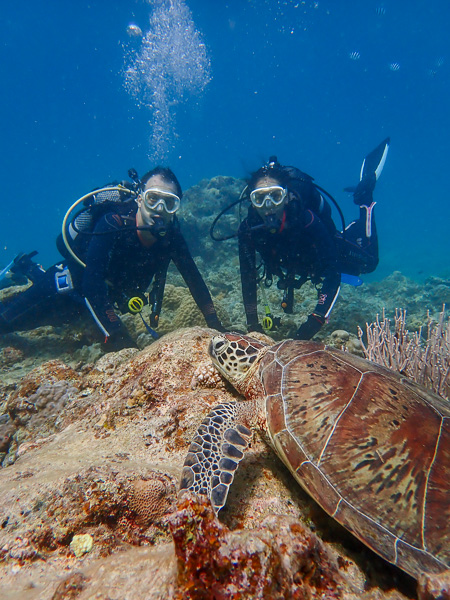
(374, 161)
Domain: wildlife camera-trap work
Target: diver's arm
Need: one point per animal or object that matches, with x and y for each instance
(247, 262)
(328, 270)
(94, 288)
(185, 264)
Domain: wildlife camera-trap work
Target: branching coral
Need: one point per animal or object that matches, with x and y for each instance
(426, 360)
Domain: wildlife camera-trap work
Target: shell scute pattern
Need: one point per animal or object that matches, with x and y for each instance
(371, 450)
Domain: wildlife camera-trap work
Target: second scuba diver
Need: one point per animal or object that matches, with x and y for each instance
(289, 225)
(130, 245)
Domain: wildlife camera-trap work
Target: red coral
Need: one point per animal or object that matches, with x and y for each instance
(280, 560)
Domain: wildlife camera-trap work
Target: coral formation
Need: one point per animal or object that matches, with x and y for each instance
(42, 395)
(343, 340)
(282, 560)
(10, 355)
(206, 375)
(424, 360)
(151, 499)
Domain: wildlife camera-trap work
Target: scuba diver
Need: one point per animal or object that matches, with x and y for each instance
(289, 224)
(110, 259)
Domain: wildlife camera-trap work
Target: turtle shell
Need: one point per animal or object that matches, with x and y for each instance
(371, 447)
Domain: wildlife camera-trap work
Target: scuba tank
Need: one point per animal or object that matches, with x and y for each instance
(94, 205)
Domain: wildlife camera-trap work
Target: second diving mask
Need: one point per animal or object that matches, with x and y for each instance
(160, 201)
(273, 195)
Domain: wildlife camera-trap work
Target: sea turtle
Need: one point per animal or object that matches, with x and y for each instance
(370, 446)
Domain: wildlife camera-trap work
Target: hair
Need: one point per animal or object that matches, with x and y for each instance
(273, 170)
(167, 174)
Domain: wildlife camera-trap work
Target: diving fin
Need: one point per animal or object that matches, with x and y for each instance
(4, 272)
(353, 280)
(19, 270)
(373, 163)
(15, 265)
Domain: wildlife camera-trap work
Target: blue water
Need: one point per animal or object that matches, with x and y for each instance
(317, 83)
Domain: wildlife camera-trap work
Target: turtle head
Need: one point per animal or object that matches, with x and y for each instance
(234, 355)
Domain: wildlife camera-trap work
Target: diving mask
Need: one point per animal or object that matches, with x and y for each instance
(160, 201)
(273, 195)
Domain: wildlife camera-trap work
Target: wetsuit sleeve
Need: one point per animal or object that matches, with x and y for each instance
(185, 264)
(247, 262)
(326, 266)
(94, 287)
(327, 270)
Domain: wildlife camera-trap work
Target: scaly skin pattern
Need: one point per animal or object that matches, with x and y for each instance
(215, 453)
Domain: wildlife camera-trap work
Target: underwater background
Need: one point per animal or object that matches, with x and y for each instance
(92, 88)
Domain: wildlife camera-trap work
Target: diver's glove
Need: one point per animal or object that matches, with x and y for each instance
(119, 340)
(310, 327)
(213, 323)
(255, 327)
(362, 196)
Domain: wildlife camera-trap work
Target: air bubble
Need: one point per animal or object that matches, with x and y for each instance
(170, 65)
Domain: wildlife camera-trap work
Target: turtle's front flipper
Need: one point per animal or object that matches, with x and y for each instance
(215, 453)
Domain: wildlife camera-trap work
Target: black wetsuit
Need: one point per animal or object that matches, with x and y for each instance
(305, 246)
(118, 267)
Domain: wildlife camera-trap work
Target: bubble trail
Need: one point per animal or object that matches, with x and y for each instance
(169, 66)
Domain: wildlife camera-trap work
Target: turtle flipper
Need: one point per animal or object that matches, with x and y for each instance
(215, 453)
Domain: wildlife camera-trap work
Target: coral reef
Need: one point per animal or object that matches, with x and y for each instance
(42, 394)
(343, 340)
(93, 445)
(151, 499)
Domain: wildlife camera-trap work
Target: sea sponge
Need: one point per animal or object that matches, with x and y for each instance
(81, 544)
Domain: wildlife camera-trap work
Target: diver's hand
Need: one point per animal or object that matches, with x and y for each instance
(256, 327)
(214, 323)
(119, 340)
(310, 327)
